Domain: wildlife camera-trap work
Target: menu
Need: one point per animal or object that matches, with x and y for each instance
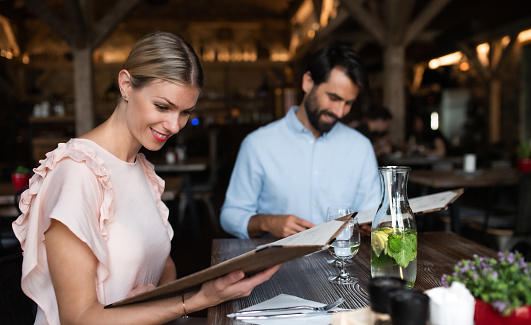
(285, 249)
(259, 259)
(422, 204)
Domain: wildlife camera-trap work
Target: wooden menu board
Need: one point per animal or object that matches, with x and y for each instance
(259, 259)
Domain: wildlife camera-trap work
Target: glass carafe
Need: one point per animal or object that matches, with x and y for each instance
(394, 231)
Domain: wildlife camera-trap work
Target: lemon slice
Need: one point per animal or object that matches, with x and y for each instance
(379, 242)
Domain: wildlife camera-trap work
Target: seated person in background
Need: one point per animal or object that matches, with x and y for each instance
(93, 227)
(290, 171)
(376, 128)
(425, 141)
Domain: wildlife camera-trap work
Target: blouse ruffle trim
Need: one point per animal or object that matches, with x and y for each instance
(157, 185)
(28, 229)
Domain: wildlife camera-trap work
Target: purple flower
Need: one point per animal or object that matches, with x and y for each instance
(510, 258)
(495, 275)
(522, 263)
(499, 306)
(475, 276)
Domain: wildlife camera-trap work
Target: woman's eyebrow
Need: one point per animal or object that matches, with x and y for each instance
(167, 100)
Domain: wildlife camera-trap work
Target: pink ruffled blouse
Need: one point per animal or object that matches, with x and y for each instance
(113, 206)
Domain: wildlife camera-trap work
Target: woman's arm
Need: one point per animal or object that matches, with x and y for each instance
(73, 266)
(169, 273)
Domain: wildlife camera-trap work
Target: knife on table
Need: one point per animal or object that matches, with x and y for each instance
(285, 315)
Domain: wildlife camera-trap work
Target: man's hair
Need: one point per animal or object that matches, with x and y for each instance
(380, 113)
(337, 56)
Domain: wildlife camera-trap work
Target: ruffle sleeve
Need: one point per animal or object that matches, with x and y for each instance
(80, 176)
(157, 184)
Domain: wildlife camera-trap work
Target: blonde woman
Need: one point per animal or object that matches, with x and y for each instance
(93, 227)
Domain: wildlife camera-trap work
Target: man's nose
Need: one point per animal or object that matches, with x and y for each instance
(340, 109)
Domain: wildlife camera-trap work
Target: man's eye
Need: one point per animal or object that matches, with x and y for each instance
(161, 107)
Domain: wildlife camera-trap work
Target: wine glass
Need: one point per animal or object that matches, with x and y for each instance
(334, 212)
(345, 246)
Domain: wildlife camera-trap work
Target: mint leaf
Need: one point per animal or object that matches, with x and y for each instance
(403, 248)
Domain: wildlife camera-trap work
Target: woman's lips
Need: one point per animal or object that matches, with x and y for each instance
(160, 137)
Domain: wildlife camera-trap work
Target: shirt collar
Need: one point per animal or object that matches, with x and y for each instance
(296, 126)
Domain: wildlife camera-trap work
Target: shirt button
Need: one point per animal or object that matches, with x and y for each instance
(315, 172)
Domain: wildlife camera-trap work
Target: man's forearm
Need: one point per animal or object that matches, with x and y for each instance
(255, 227)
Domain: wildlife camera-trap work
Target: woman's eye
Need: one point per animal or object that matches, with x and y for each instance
(161, 107)
(186, 113)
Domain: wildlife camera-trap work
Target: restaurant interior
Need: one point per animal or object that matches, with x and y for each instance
(465, 65)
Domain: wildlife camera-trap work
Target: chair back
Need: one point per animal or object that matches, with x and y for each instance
(16, 307)
(523, 217)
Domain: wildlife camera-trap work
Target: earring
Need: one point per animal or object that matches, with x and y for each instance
(125, 97)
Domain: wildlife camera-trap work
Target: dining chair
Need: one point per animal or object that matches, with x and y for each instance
(509, 227)
(16, 307)
(204, 191)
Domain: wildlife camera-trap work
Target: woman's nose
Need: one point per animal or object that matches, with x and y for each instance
(172, 124)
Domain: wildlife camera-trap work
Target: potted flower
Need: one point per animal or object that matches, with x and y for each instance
(524, 157)
(502, 287)
(20, 177)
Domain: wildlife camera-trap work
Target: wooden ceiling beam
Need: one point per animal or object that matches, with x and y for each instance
(397, 16)
(107, 24)
(423, 19)
(78, 22)
(367, 19)
(51, 18)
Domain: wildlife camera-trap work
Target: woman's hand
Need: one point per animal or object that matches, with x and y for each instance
(231, 286)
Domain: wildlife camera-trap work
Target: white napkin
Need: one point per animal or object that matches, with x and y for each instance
(451, 306)
(284, 300)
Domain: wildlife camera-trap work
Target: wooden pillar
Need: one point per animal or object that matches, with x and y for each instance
(495, 109)
(394, 93)
(83, 90)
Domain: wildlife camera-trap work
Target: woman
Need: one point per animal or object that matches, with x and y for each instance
(93, 227)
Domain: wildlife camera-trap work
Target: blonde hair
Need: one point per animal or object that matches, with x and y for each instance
(164, 56)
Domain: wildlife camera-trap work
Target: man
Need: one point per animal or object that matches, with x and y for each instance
(376, 128)
(288, 172)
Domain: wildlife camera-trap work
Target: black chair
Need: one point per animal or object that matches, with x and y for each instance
(508, 227)
(15, 307)
(8, 242)
(204, 191)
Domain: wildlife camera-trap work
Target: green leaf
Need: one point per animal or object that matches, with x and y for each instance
(22, 170)
(403, 248)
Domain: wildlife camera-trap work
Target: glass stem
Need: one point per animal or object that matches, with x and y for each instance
(343, 272)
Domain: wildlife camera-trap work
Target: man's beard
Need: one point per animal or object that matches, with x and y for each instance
(314, 114)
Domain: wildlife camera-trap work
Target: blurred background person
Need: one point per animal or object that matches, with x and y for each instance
(376, 127)
(425, 141)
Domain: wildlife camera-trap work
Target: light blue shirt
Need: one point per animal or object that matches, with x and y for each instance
(282, 169)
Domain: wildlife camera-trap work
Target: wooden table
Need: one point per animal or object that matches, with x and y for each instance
(306, 277)
(451, 179)
(444, 179)
(423, 161)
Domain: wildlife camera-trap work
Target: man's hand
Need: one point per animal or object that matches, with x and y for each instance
(279, 225)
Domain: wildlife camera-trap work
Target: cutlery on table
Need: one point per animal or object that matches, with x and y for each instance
(291, 308)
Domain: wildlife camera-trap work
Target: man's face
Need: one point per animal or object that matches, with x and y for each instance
(330, 101)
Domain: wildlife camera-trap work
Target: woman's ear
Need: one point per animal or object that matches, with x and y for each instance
(307, 82)
(124, 82)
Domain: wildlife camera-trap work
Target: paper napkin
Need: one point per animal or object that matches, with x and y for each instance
(284, 300)
(451, 306)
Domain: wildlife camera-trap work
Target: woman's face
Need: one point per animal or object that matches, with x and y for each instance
(159, 110)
